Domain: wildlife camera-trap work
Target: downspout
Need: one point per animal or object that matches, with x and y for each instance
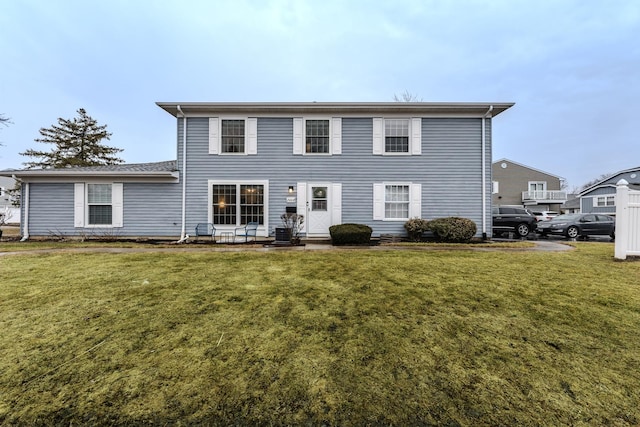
(25, 205)
(484, 174)
(183, 233)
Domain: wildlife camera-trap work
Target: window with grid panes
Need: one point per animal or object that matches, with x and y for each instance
(396, 202)
(317, 136)
(99, 204)
(238, 204)
(232, 134)
(396, 135)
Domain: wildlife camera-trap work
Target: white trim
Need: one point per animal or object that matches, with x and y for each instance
(214, 135)
(78, 204)
(301, 204)
(379, 201)
(263, 229)
(415, 134)
(251, 136)
(336, 203)
(117, 204)
(335, 143)
(495, 187)
(298, 135)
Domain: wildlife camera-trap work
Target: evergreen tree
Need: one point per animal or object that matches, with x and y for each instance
(77, 142)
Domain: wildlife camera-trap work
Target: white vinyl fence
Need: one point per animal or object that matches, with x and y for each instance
(627, 221)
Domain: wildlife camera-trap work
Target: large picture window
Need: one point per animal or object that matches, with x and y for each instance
(238, 204)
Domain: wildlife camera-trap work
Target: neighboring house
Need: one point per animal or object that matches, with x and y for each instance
(517, 184)
(371, 163)
(6, 201)
(601, 196)
(572, 205)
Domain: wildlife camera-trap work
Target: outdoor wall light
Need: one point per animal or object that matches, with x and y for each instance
(291, 190)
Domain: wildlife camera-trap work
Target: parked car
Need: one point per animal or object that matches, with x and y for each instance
(513, 219)
(544, 215)
(574, 225)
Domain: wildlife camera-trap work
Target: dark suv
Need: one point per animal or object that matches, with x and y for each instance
(513, 219)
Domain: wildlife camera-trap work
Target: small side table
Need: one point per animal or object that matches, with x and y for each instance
(227, 236)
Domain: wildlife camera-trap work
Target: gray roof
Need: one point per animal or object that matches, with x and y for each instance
(157, 170)
(441, 109)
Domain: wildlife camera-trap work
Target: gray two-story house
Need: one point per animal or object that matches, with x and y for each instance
(518, 184)
(601, 196)
(371, 163)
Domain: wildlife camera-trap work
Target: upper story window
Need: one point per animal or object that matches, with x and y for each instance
(317, 136)
(233, 135)
(394, 136)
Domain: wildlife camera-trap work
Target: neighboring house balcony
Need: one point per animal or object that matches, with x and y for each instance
(543, 196)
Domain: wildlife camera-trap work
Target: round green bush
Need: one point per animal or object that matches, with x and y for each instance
(453, 229)
(416, 227)
(350, 234)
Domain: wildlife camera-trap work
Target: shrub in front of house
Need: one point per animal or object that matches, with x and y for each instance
(415, 228)
(453, 229)
(350, 234)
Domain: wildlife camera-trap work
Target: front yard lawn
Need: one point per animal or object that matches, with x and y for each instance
(347, 338)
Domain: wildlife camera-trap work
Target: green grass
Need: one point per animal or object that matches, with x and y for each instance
(450, 337)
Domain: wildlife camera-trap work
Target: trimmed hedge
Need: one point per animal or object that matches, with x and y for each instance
(415, 228)
(453, 229)
(350, 234)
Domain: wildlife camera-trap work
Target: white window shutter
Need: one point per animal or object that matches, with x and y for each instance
(336, 135)
(78, 204)
(336, 203)
(301, 207)
(214, 135)
(117, 204)
(378, 201)
(415, 207)
(378, 135)
(416, 136)
(252, 135)
(298, 135)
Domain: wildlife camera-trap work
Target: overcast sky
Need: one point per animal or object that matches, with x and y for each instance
(571, 67)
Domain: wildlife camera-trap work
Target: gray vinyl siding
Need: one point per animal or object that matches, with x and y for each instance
(449, 169)
(588, 201)
(149, 210)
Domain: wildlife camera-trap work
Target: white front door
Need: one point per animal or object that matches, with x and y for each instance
(318, 209)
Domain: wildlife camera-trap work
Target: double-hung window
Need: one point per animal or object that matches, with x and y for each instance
(397, 136)
(238, 203)
(317, 136)
(397, 201)
(98, 204)
(231, 135)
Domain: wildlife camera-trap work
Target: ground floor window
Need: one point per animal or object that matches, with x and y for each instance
(238, 203)
(396, 201)
(99, 204)
(603, 201)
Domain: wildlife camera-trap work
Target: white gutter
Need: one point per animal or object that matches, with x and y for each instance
(25, 205)
(183, 232)
(484, 174)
